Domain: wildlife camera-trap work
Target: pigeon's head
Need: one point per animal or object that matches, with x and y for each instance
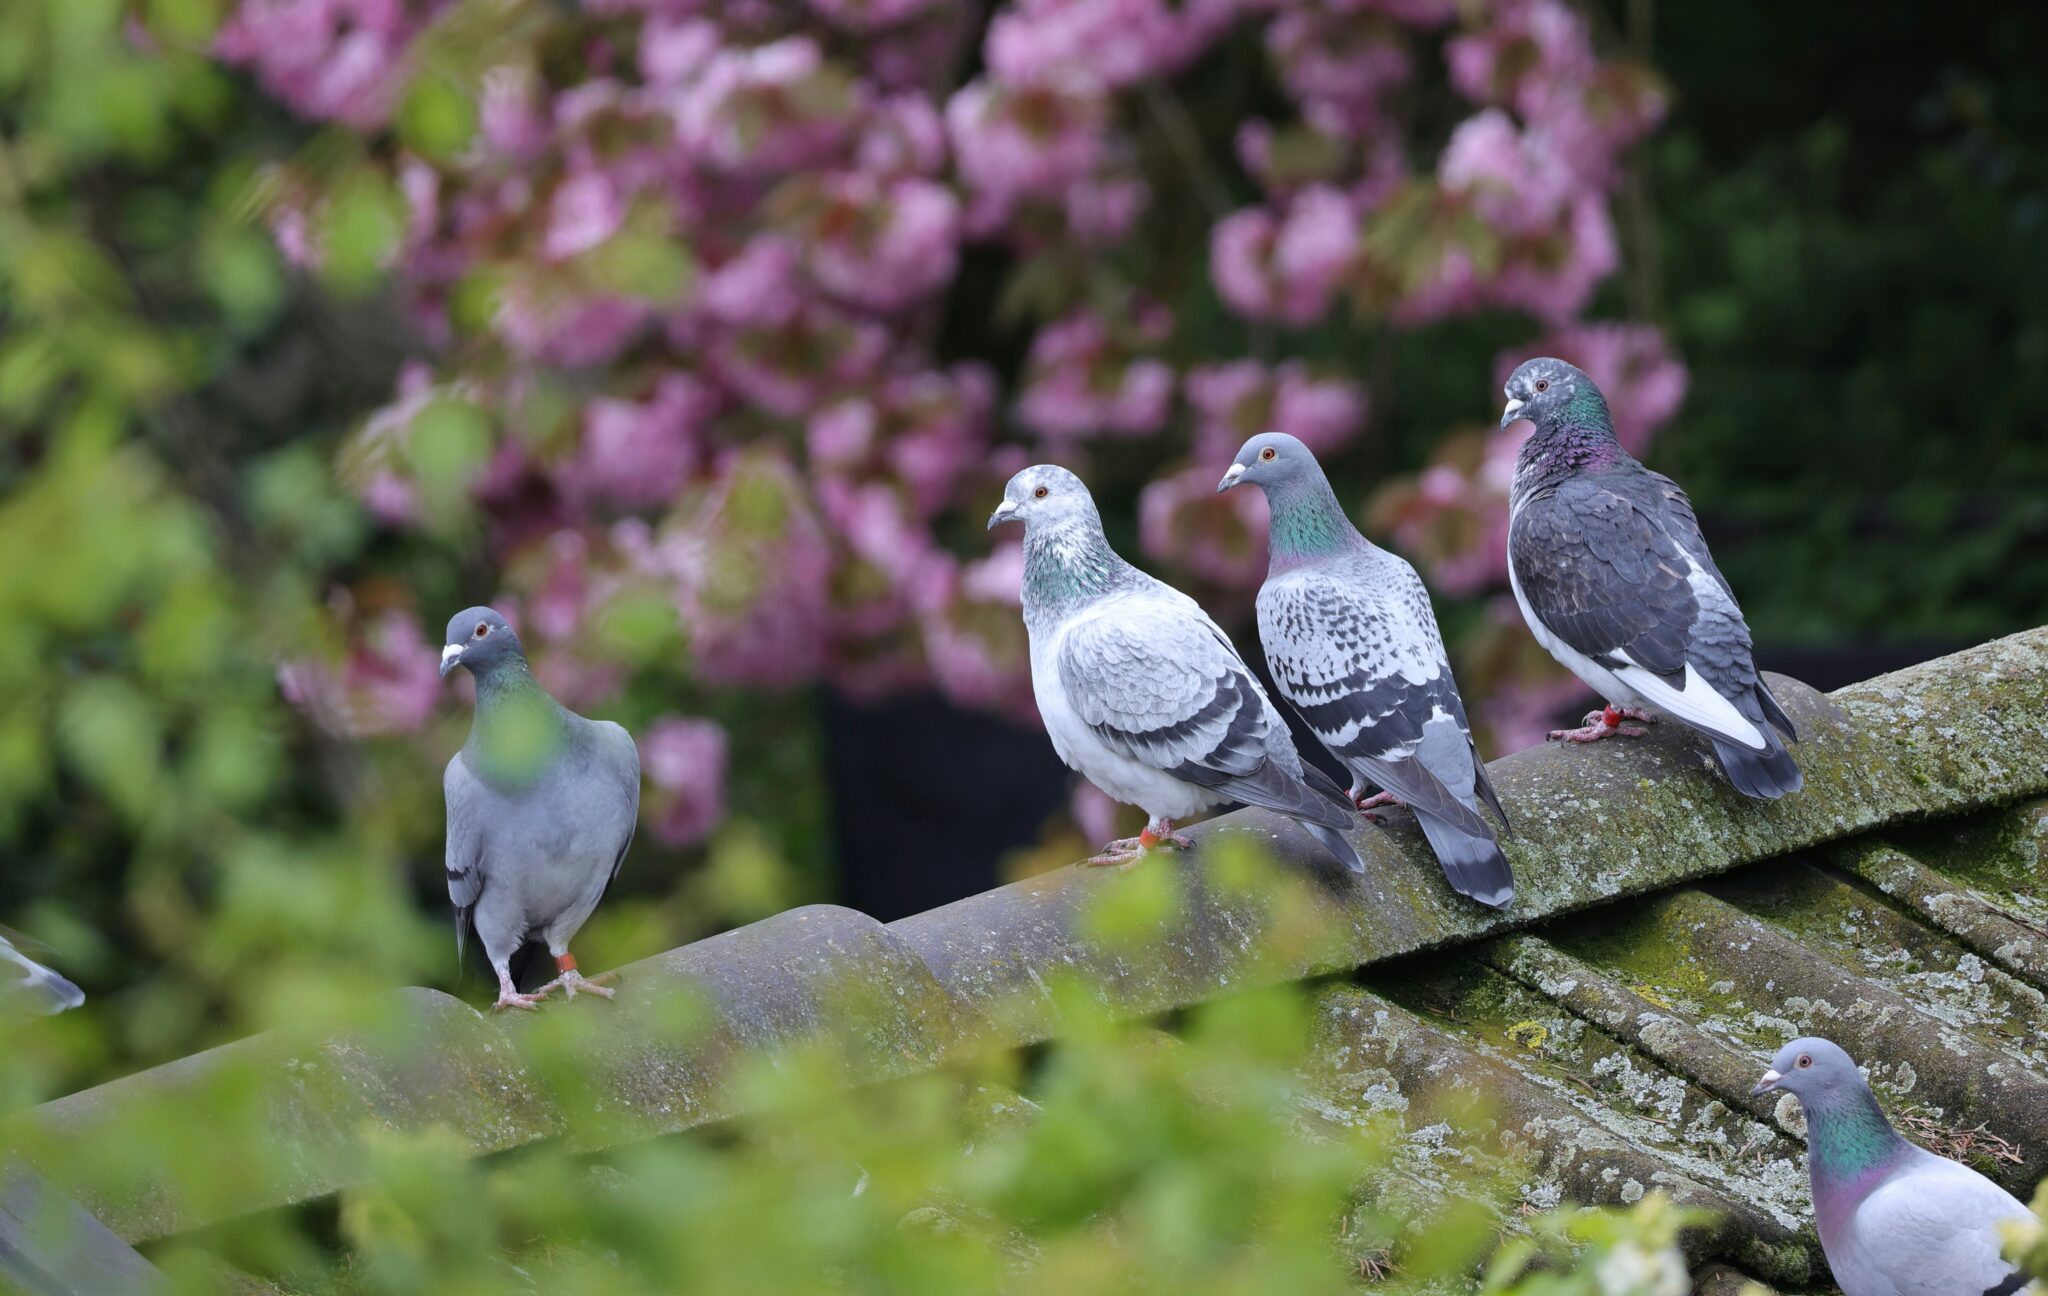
(1042, 495)
(480, 639)
(1540, 388)
(1270, 459)
(1810, 1068)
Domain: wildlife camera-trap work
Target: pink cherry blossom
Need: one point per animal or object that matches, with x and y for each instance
(637, 453)
(1080, 382)
(387, 682)
(684, 759)
(585, 211)
(1242, 398)
(1221, 538)
(884, 247)
(336, 59)
(1288, 268)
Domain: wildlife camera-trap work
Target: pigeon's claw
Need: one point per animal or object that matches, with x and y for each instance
(1605, 723)
(1376, 800)
(1160, 833)
(573, 983)
(513, 999)
(1117, 854)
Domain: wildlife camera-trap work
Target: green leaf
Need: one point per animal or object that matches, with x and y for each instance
(437, 118)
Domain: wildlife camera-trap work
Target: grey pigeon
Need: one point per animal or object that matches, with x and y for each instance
(1139, 689)
(1894, 1219)
(1613, 577)
(541, 808)
(1353, 643)
(25, 983)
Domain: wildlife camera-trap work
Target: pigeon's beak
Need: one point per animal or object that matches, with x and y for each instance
(1230, 478)
(1766, 1084)
(1511, 412)
(1005, 512)
(449, 657)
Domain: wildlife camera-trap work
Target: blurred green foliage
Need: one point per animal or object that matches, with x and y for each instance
(1852, 255)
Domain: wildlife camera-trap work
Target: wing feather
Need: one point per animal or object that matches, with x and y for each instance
(1159, 684)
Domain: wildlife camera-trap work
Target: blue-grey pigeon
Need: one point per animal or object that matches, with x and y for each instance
(541, 808)
(25, 983)
(1139, 689)
(1894, 1219)
(1353, 643)
(1613, 577)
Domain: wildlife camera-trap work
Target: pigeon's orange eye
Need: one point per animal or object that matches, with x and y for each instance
(1041, 493)
(1543, 384)
(1805, 1060)
(1268, 453)
(482, 628)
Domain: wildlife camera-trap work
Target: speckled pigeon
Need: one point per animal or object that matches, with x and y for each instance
(1611, 573)
(1139, 689)
(541, 808)
(25, 983)
(1894, 1219)
(1353, 643)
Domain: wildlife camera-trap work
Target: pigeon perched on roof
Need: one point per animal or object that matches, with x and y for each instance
(25, 983)
(1139, 689)
(1613, 577)
(541, 808)
(1894, 1219)
(1353, 643)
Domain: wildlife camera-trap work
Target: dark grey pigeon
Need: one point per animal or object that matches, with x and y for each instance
(1894, 1219)
(25, 983)
(1353, 643)
(541, 808)
(1139, 689)
(1613, 577)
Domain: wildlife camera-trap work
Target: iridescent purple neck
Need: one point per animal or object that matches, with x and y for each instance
(1564, 449)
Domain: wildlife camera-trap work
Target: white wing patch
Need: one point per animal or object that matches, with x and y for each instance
(1696, 704)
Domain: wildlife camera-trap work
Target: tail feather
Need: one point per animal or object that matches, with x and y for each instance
(1765, 775)
(1772, 711)
(59, 992)
(1338, 845)
(1473, 864)
(1484, 786)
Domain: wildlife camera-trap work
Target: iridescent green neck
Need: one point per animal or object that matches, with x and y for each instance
(1848, 1137)
(1070, 562)
(519, 728)
(1308, 522)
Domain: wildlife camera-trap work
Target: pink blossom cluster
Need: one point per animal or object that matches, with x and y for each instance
(693, 270)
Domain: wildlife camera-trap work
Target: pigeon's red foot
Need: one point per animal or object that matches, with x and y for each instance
(572, 982)
(1129, 850)
(1117, 854)
(1160, 833)
(1368, 804)
(1605, 723)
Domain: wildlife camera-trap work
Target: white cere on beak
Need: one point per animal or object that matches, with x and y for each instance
(1512, 406)
(1235, 471)
(449, 654)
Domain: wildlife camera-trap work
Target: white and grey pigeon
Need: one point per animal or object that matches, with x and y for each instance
(542, 804)
(1894, 1219)
(25, 983)
(1613, 577)
(1139, 689)
(1353, 643)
